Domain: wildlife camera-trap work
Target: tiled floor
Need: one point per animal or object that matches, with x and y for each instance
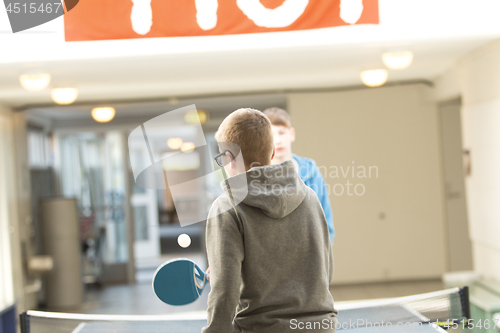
(139, 299)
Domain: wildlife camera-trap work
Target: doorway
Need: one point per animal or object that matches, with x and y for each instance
(459, 244)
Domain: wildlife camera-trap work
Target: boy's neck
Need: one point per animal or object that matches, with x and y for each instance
(255, 165)
(282, 159)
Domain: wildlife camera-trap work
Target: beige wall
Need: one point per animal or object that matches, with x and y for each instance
(446, 86)
(479, 75)
(9, 201)
(395, 230)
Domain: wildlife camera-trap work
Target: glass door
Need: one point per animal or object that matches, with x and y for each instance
(92, 170)
(145, 212)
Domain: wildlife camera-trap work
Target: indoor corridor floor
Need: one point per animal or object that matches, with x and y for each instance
(139, 299)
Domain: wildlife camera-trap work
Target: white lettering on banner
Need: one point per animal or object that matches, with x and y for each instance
(206, 13)
(279, 17)
(142, 16)
(351, 10)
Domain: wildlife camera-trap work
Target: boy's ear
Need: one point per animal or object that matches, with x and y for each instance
(274, 152)
(292, 133)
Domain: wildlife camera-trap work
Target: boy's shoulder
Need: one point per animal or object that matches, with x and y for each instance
(220, 204)
(305, 161)
(311, 196)
(222, 215)
(307, 167)
(221, 207)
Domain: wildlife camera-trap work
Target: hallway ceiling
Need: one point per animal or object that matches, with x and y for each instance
(437, 32)
(166, 76)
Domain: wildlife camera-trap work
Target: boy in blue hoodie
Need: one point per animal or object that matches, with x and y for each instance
(284, 136)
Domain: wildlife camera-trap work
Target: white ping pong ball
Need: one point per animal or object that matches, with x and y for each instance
(184, 240)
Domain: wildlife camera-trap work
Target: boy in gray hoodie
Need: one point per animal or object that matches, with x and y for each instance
(267, 240)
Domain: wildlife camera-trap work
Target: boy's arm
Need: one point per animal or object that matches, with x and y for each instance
(324, 199)
(331, 263)
(225, 256)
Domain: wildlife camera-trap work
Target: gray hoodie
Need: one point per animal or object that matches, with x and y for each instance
(271, 262)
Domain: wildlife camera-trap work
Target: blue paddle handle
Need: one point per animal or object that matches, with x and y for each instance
(202, 273)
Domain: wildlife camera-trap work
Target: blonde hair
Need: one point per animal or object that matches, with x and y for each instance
(250, 129)
(278, 117)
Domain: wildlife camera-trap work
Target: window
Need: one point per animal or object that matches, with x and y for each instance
(38, 148)
(6, 279)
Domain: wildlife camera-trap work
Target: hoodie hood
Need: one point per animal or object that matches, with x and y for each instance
(276, 189)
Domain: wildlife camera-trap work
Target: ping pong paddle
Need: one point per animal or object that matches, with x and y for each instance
(179, 282)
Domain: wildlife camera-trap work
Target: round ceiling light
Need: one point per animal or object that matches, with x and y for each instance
(196, 117)
(187, 147)
(34, 82)
(103, 114)
(397, 60)
(374, 77)
(64, 96)
(174, 143)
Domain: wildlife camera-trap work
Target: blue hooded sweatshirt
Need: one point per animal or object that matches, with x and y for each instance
(311, 176)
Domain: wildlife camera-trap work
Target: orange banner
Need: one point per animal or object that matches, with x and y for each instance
(124, 19)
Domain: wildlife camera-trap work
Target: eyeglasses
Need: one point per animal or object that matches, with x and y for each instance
(224, 158)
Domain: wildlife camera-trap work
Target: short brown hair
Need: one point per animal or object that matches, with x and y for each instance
(250, 129)
(278, 117)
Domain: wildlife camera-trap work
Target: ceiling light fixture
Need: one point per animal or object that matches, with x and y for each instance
(187, 147)
(64, 96)
(173, 100)
(374, 77)
(397, 60)
(196, 117)
(35, 81)
(103, 114)
(174, 143)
